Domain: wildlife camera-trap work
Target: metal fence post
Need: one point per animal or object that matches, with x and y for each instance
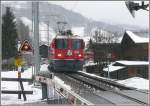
(44, 91)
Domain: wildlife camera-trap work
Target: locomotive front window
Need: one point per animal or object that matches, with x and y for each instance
(61, 43)
(76, 44)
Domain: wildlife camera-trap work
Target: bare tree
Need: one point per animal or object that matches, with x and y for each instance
(102, 47)
(102, 36)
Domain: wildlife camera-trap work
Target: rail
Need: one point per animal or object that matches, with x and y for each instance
(83, 77)
(107, 81)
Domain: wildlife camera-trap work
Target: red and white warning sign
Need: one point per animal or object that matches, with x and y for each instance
(25, 47)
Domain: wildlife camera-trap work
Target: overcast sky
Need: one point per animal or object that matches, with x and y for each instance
(107, 11)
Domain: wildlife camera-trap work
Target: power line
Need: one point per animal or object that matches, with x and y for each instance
(74, 6)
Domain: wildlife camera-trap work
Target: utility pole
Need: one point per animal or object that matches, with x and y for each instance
(48, 38)
(35, 7)
(108, 63)
(0, 49)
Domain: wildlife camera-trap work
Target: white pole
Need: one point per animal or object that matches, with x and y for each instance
(48, 39)
(108, 70)
(36, 36)
(0, 50)
(109, 57)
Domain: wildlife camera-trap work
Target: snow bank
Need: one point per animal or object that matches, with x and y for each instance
(60, 82)
(136, 82)
(44, 67)
(13, 74)
(8, 99)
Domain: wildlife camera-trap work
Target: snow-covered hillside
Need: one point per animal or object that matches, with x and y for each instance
(27, 22)
(43, 33)
(43, 29)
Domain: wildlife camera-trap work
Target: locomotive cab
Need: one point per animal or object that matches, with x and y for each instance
(66, 54)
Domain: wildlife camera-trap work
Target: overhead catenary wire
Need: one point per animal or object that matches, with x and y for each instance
(74, 6)
(65, 17)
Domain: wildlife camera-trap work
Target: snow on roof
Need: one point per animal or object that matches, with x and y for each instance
(126, 62)
(136, 38)
(119, 39)
(136, 82)
(112, 68)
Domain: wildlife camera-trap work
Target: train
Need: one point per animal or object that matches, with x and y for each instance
(66, 53)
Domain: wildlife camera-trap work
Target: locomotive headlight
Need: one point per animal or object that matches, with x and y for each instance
(59, 55)
(79, 55)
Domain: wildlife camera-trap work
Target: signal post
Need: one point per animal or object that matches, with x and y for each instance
(18, 64)
(25, 48)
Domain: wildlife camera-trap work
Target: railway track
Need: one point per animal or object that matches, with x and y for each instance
(81, 89)
(106, 87)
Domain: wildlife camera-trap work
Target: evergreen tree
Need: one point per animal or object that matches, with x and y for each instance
(9, 35)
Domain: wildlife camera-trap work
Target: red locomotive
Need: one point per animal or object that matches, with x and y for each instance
(66, 54)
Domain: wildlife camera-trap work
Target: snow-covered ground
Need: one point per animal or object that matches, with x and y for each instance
(136, 82)
(7, 99)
